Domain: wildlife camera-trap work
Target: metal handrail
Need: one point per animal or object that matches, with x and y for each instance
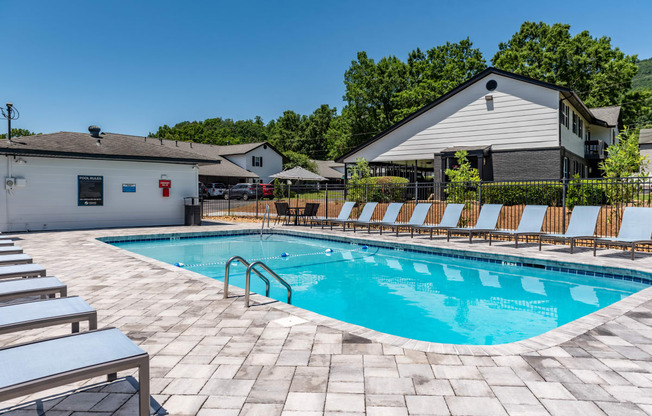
(246, 263)
(268, 270)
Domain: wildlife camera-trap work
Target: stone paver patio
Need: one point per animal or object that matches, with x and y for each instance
(211, 356)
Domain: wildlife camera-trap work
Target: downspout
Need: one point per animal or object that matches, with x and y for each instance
(561, 151)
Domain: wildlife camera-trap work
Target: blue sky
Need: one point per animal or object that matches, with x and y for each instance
(130, 66)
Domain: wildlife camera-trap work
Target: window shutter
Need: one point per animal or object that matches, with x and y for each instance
(261, 161)
(253, 160)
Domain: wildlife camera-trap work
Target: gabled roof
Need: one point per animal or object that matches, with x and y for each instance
(610, 115)
(107, 146)
(325, 169)
(240, 149)
(220, 167)
(645, 136)
(567, 93)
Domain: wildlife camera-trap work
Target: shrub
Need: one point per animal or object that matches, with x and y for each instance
(378, 189)
(519, 193)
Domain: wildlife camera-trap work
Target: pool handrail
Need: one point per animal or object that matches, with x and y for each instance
(246, 263)
(270, 271)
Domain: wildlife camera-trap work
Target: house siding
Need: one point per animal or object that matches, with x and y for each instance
(520, 116)
(526, 165)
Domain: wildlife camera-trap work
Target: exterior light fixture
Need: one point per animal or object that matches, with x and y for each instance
(489, 97)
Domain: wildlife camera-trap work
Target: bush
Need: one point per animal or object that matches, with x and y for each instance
(378, 189)
(519, 193)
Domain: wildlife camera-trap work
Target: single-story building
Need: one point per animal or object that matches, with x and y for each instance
(645, 147)
(249, 162)
(70, 180)
(513, 128)
(331, 170)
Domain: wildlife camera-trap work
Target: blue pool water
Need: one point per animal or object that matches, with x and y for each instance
(410, 294)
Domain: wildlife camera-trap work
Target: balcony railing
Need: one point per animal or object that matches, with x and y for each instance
(594, 149)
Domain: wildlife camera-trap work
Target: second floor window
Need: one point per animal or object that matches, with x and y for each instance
(257, 161)
(564, 114)
(580, 128)
(575, 122)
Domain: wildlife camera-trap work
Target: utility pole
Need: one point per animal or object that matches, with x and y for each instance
(11, 113)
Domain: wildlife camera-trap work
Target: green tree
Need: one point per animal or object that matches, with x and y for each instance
(285, 132)
(624, 158)
(598, 72)
(360, 174)
(18, 133)
(313, 141)
(464, 178)
(294, 159)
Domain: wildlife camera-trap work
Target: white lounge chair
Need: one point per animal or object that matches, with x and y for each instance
(39, 314)
(5, 243)
(22, 270)
(36, 286)
(44, 364)
(530, 224)
(15, 259)
(487, 220)
(635, 229)
(418, 217)
(344, 214)
(365, 216)
(11, 250)
(390, 216)
(581, 226)
(451, 217)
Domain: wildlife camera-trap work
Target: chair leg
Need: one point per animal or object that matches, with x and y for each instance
(572, 245)
(595, 247)
(470, 237)
(143, 388)
(431, 233)
(448, 236)
(539, 243)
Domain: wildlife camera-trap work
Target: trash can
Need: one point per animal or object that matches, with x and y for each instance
(192, 211)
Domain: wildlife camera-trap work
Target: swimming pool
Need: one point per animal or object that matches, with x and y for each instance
(411, 294)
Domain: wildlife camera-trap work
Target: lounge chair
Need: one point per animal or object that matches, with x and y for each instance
(487, 220)
(418, 217)
(451, 217)
(365, 216)
(5, 243)
(344, 214)
(636, 228)
(15, 259)
(22, 270)
(39, 314)
(391, 214)
(581, 227)
(44, 364)
(36, 286)
(11, 250)
(530, 224)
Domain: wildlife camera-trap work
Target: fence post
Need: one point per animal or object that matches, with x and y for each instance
(326, 216)
(416, 191)
(229, 203)
(563, 204)
(366, 192)
(480, 193)
(256, 188)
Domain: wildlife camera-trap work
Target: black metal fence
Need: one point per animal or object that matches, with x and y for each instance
(612, 194)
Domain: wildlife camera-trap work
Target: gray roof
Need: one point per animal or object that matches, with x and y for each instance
(645, 136)
(223, 166)
(237, 149)
(298, 173)
(325, 169)
(108, 146)
(610, 115)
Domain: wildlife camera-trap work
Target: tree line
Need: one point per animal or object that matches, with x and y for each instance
(381, 93)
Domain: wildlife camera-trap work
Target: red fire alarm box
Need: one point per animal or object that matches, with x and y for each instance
(165, 184)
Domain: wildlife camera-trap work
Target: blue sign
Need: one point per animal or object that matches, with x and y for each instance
(128, 187)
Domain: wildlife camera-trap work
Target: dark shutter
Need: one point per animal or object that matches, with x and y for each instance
(261, 161)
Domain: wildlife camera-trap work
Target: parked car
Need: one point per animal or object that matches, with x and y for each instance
(247, 191)
(268, 190)
(216, 190)
(203, 190)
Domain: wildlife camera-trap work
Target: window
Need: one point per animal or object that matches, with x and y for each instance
(563, 114)
(257, 161)
(588, 133)
(566, 167)
(574, 122)
(580, 128)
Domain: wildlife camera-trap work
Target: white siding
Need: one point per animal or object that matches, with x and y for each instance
(521, 116)
(571, 141)
(50, 199)
(272, 162)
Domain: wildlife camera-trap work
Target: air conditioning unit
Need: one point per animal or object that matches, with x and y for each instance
(10, 183)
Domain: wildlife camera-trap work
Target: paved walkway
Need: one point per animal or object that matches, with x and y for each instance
(212, 357)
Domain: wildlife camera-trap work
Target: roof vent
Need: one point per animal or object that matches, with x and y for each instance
(95, 131)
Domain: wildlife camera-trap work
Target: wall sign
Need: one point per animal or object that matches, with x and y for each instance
(165, 183)
(128, 187)
(90, 190)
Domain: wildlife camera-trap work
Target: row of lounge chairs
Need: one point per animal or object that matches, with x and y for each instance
(28, 300)
(635, 229)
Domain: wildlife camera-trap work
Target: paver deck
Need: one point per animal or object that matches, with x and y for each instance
(211, 356)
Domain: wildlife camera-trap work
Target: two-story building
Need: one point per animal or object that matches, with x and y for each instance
(513, 128)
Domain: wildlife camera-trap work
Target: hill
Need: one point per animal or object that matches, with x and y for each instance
(643, 79)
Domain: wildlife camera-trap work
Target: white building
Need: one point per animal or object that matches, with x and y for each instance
(71, 180)
(513, 127)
